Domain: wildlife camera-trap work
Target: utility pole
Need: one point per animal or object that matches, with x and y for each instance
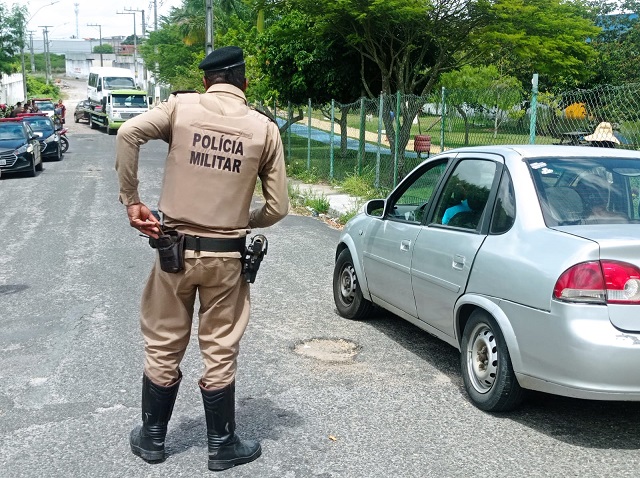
(100, 33)
(135, 42)
(155, 15)
(208, 48)
(144, 33)
(75, 5)
(33, 63)
(47, 59)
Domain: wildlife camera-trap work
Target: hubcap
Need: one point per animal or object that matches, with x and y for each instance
(348, 284)
(482, 358)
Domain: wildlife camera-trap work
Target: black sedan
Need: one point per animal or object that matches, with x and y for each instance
(19, 147)
(50, 145)
(82, 111)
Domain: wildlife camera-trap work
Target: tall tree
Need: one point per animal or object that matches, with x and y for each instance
(12, 33)
(618, 44)
(548, 37)
(177, 47)
(473, 88)
(300, 62)
(410, 42)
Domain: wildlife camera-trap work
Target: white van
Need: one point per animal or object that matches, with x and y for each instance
(103, 80)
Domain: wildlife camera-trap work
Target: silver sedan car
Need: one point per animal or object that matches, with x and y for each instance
(525, 258)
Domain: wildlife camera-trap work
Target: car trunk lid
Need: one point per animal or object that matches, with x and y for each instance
(617, 242)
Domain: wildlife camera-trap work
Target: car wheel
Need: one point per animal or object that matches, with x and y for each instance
(346, 289)
(92, 125)
(64, 143)
(39, 166)
(486, 365)
(76, 119)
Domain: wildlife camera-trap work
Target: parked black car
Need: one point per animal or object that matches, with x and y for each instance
(82, 111)
(50, 146)
(19, 147)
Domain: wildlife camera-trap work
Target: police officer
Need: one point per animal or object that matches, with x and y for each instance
(218, 147)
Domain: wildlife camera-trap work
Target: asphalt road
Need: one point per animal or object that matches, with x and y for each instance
(71, 276)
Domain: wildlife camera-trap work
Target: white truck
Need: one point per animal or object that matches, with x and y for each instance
(116, 107)
(103, 80)
(113, 98)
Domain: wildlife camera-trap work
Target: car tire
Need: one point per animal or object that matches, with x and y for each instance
(39, 166)
(76, 119)
(32, 172)
(64, 144)
(347, 294)
(486, 365)
(92, 125)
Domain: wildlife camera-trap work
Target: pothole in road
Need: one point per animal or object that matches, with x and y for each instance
(328, 350)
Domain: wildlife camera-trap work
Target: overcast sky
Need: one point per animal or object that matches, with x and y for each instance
(61, 16)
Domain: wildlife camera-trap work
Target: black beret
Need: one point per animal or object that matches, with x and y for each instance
(222, 59)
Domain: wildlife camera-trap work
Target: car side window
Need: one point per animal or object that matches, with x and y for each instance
(504, 213)
(464, 198)
(412, 204)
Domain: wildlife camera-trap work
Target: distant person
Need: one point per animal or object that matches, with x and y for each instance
(62, 110)
(603, 136)
(17, 110)
(34, 107)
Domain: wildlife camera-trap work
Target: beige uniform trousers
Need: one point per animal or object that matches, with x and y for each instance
(167, 312)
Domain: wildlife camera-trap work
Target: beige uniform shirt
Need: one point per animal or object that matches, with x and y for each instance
(218, 147)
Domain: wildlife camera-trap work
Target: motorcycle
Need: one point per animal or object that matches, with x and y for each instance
(64, 142)
(62, 131)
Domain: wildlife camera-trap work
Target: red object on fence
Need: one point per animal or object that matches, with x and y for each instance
(422, 143)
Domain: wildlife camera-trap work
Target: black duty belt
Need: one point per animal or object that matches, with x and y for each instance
(212, 244)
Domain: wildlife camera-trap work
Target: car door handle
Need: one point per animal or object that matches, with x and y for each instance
(405, 246)
(458, 262)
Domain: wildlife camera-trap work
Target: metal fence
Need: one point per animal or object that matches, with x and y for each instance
(383, 139)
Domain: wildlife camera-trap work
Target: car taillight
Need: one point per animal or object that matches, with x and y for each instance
(599, 282)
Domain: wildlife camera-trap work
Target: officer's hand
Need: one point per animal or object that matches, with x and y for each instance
(140, 218)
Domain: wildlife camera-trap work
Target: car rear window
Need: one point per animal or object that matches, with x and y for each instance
(11, 132)
(576, 191)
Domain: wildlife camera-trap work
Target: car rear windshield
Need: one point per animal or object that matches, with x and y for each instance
(9, 132)
(45, 106)
(42, 125)
(115, 83)
(574, 191)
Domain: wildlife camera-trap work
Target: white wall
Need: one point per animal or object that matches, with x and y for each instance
(11, 89)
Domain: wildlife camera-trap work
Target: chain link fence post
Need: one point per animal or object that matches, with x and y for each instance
(309, 135)
(443, 113)
(380, 109)
(534, 106)
(331, 140)
(362, 137)
(396, 146)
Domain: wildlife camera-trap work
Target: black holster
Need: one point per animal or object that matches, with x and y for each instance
(170, 246)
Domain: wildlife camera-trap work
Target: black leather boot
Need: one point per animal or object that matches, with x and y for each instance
(147, 441)
(225, 447)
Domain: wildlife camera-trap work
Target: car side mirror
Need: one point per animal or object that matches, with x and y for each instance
(375, 207)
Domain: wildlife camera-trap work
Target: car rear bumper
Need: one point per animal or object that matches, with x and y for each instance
(574, 350)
